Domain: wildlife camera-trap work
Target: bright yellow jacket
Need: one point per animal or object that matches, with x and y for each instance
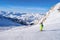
(41, 27)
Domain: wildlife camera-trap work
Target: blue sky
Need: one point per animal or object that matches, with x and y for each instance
(29, 6)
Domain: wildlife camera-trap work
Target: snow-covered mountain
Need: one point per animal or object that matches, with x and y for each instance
(4, 21)
(53, 17)
(21, 18)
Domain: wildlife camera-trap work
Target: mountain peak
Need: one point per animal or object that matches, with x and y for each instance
(54, 8)
(58, 3)
(57, 6)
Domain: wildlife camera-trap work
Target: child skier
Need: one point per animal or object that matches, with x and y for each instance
(41, 26)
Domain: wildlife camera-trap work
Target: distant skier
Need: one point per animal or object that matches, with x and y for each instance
(41, 26)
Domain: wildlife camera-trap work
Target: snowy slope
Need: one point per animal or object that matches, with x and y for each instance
(53, 20)
(51, 29)
(30, 33)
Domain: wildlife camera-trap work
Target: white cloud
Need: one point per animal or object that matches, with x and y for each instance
(25, 9)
